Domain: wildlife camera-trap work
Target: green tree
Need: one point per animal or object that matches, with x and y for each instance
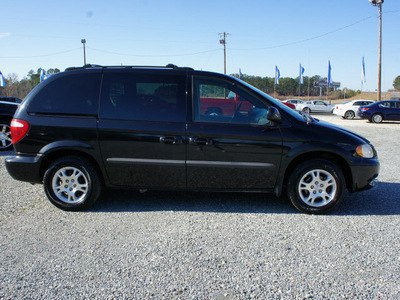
(34, 78)
(396, 83)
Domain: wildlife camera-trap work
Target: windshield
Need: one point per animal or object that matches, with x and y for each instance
(276, 102)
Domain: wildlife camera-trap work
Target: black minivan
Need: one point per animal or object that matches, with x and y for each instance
(151, 128)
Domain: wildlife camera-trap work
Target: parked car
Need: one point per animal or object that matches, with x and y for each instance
(315, 106)
(93, 127)
(377, 112)
(293, 101)
(288, 104)
(220, 104)
(8, 106)
(348, 110)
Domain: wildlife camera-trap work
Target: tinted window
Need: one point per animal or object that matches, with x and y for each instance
(143, 97)
(385, 104)
(75, 94)
(219, 101)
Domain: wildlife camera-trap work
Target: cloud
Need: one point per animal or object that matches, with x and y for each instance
(4, 34)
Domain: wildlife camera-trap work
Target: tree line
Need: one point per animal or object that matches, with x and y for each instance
(20, 88)
(290, 87)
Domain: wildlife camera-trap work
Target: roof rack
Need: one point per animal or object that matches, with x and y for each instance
(169, 66)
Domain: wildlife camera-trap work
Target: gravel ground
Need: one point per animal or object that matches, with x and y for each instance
(185, 245)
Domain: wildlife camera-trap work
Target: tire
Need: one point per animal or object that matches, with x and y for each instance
(349, 115)
(377, 118)
(5, 136)
(307, 110)
(316, 186)
(214, 112)
(72, 183)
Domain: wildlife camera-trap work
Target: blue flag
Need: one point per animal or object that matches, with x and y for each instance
(2, 81)
(301, 72)
(42, 73)
(329, 73)
(240, 73)
(363, 80)
(277, 75)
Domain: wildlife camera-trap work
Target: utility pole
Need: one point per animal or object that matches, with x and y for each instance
(223, 42)
(380, 53)
(83, 41)
(378, 3)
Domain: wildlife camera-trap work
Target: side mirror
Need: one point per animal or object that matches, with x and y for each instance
(274, 115)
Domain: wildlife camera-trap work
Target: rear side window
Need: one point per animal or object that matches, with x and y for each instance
(73, 94)
(143, 97)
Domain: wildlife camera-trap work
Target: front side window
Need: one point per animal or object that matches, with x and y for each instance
(143, 97)
(220, 101)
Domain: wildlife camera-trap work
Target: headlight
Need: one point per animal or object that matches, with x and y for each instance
(365, 151)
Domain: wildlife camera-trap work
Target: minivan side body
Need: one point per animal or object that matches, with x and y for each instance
(145, 128)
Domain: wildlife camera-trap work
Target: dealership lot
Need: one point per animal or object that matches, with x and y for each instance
(205, 245)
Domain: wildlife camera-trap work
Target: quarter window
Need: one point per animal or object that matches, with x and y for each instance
(72, 94)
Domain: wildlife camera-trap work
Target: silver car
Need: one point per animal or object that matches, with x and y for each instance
(315, 106)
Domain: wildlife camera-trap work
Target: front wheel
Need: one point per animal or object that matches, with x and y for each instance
(306, 110)
(72, 183)
(316, 186)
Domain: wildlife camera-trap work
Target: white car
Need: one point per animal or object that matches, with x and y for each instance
(348, 110)
(315, 106)
(295, 102)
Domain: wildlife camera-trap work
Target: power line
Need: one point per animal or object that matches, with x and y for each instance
(305, 40)
(147, 55)
(37, 56)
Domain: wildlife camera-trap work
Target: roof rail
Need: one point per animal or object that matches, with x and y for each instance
(169, 66)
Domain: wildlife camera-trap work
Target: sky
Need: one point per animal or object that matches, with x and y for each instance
(263, 34)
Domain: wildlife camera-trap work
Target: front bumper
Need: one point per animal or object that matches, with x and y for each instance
(364, 175)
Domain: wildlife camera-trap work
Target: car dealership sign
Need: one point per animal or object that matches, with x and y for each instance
(325, 84)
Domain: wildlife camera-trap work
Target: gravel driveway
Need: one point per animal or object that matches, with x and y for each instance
(185, 245)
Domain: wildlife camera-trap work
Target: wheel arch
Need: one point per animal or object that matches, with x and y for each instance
(56, 154)
(214, 109)
(332, 157)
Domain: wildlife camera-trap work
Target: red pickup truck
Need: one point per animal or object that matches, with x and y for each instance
(227, 106)
(223, 106)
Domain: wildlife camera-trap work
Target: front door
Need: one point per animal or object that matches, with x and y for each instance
(240, 150)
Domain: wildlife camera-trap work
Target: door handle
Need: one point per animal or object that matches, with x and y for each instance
(200, 141)
(170, 140)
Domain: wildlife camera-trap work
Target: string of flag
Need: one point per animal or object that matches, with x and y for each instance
(2, 81)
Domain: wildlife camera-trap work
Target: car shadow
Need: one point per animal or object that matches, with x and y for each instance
(381, 200)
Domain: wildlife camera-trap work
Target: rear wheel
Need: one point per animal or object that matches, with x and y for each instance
(349, 115)
(307, 110)
(5, 135)
(72, 183)
(316, 186)
(377, 118)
